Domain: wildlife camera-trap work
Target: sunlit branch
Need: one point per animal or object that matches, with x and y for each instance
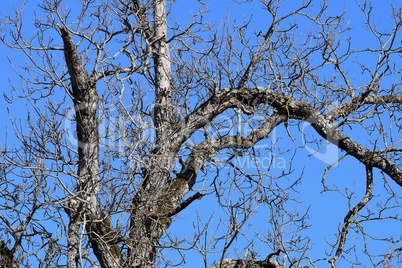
(352, 213)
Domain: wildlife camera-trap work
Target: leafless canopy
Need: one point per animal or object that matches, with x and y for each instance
(159, 133)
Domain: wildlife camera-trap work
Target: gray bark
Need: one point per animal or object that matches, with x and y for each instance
(83, 207)
(161, 192)
(157, 198)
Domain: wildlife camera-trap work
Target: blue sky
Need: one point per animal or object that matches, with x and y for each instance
(327, 209)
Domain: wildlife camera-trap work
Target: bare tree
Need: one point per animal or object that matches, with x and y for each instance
(133, 115)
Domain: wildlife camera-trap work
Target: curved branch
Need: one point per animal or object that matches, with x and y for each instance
(355, 103)
(287, 107)
(209, 148)
(353, 212)
(140, 14)
(342, 141)
(225, 99)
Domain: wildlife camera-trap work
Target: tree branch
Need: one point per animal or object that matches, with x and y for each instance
(208, 148)
(87, 205)
(352, 213)
(286, 105)
(183, 205)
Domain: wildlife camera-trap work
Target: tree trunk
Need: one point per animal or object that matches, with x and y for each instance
(7, 256)
(154, 198)
(84, 208)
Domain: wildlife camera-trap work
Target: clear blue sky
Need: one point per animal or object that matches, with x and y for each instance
(328, 209)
